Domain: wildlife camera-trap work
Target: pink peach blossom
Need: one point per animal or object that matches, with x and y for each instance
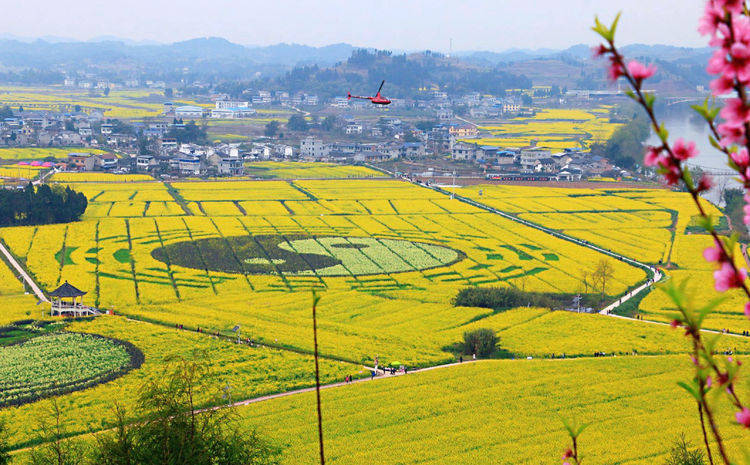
(743, 417)
(722, 85)
(731, 133)
(713, 254)
(705, 183)
(684, 150)
(735, 111)
(652, 156)
(639, 71)
(741, 157)
(712, 17)
(726, 277)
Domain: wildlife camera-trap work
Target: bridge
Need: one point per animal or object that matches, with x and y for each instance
(677, 100)
(713, 171)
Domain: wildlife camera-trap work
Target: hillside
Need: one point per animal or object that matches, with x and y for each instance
(326, 70)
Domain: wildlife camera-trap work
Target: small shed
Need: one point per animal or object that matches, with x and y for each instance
(68, 301)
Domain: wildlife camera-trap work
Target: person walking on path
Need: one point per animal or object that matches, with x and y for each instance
(372, 374)
(460, 359)
(474, 356)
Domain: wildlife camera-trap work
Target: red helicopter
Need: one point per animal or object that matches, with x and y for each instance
(377, 100)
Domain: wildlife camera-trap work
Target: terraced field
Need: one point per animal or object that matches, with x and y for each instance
(653, 226)
(552, 129)
(251, 249)
(300, 170)
(387, 257)
(496, 412)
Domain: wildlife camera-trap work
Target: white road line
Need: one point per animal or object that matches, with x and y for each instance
(19, 269)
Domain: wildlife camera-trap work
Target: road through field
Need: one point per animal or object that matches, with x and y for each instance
(21, 272)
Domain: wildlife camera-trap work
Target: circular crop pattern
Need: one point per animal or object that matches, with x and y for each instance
(306, 255)
(61, 362)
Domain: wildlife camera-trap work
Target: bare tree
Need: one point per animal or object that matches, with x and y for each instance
(601, 275)
(58, 448)
(585, 275)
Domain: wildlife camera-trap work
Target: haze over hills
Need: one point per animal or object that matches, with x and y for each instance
(216, 59)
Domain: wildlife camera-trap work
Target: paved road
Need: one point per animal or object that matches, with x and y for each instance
(23, 274)
(466, 121)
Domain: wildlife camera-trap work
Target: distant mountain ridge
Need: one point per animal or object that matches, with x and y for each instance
(12, 46)
(214, 59)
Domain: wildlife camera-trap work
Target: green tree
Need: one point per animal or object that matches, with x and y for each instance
(190, 133)
(271, 129)
(734, 204)
(6, 112)
(106, 91)
(168, 92)
(176, 432)
(329, 123)
(482, 342)
(297, 123)
(624, 148)
(425, 125)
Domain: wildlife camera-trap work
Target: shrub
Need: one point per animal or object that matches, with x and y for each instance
(683, 453)
(504, 298)
(481, 342)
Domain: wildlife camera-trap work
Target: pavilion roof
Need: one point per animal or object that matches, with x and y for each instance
(67, 290)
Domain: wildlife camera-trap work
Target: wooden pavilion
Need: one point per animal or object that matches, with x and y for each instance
(68, 301)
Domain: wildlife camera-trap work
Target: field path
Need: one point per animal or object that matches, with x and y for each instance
(19, 269)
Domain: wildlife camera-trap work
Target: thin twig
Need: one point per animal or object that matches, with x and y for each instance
(317, 377)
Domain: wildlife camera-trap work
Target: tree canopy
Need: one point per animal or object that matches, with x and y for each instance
(40, 205)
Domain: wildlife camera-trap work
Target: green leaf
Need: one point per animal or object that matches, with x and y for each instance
(600, 28)
(613, 28)
(706, 222)
(649, 98)
(714, 144)
(691, 388)
(315, 298)
(688, 178)
(662, 133)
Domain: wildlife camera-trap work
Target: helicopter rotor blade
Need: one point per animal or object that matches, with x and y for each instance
(381, 87)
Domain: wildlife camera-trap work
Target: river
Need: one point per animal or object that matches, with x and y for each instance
(691, 128)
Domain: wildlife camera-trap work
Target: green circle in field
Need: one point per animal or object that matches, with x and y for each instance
(297, 255)
(57, 363)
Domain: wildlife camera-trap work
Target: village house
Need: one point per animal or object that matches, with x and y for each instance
(529, 158)
(312, 147)
(464, 151)
(371, 156)
(466, 131)
(412, 150)
(145, 162)
(81, 161)
(353, 128)
(188, 111)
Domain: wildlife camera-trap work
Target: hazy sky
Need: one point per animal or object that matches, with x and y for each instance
(392, 24)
